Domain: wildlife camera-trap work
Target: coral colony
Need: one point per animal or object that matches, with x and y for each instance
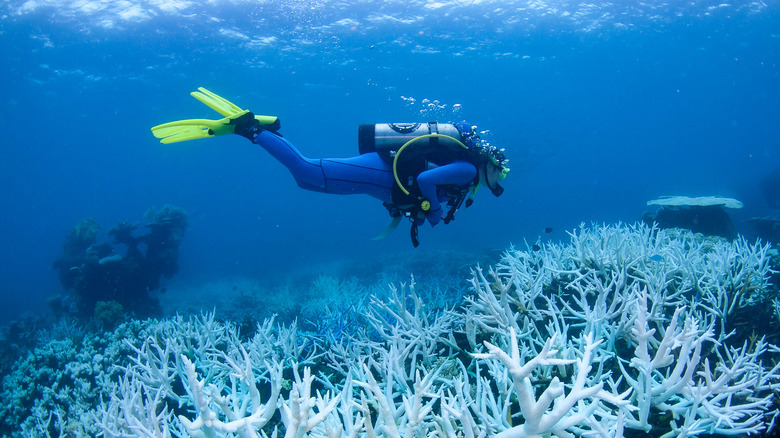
(103, 281)
(624, 331)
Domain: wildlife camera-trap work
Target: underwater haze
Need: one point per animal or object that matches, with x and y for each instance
(601, 106)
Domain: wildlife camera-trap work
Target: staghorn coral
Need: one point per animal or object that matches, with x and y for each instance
(618, 282)
(623, 328)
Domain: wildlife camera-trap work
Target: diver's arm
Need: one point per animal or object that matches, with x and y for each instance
(459, 173)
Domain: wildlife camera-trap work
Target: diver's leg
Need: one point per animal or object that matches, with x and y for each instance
(306, 171)
(364, 174)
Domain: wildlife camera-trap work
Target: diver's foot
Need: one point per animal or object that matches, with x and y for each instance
(246, 126)
(249, 125)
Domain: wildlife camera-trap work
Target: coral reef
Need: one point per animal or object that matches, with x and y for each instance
(705, 215)
(166, 231)
(51, 390)
(304, 293)
(74, 251)
(109, 313)
(94, 272)
(767, 228)
(626, 330)
(770, 188)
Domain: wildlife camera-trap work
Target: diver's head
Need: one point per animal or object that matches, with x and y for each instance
(493, 168)
(492, 163)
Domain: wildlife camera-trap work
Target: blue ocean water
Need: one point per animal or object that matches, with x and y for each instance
(601, 106)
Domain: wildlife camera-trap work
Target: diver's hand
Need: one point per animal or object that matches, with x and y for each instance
(434, 216)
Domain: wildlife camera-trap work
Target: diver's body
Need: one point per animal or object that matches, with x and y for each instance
(366, 174)
(414, 169)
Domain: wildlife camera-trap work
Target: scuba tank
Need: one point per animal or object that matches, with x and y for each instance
(387, 138)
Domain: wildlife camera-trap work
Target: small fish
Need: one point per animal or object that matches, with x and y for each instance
(548, 230)
(656, 258)
(536, 247)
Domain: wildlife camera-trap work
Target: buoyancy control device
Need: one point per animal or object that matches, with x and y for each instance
(410, 148)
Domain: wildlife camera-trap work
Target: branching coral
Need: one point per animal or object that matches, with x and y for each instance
(554, 411)
(621, 329)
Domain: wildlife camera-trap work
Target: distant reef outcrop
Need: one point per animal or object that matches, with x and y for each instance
(104, 280)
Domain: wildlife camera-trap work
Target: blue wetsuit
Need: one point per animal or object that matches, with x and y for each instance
(365, 174)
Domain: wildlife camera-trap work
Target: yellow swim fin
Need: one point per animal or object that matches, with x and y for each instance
(191, 129)
(216, 102)
(236, 121)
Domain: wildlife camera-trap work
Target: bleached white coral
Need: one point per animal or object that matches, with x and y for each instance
(617, 282)
(555, 410)
(584, 339)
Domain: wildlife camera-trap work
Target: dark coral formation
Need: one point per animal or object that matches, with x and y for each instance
(710, 220)
(767, 228)
(770, 188)
(94, 272)
(75, 249)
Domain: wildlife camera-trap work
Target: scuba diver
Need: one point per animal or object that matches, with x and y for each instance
(416, 169)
